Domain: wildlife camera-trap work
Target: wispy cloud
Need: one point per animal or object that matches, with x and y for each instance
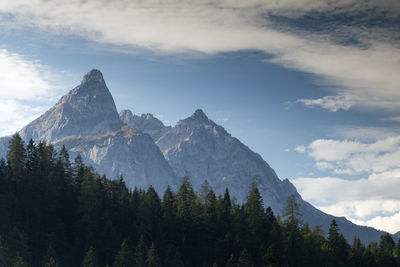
(358, 62)
(26, 87)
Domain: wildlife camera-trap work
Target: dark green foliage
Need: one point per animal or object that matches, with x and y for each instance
(245, 259)
(231, 262)
(152, 259)
(140, 253)
(54, 213)
(19, 262)
(16, 156)
(124, 257)
(90, 259)
(51, 263)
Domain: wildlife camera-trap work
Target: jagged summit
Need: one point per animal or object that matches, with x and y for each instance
(146, 122)
(199, 115)
(87, 109)
(93, 76)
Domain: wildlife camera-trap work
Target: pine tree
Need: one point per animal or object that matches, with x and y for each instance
(149, 214)
(152, 259)
(124, 257)
(140, 253)
(245, 259)
(231, 261)
(337, 244)
(4, 257)
(357, 252)
(203, 192)
(254, 209)
(177, 261)
(291, 210)
(16, 155)
(19, 262)
(185, 200)
(51, 263)
(90, 259)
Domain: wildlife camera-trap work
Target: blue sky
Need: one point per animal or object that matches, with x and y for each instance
(312, 86)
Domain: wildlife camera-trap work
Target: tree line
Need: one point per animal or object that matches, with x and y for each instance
(58, 212)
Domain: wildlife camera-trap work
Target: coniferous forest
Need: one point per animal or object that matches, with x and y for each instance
(55, 212)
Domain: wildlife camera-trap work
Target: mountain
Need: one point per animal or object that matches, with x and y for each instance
(87, 109)
(146, 152)
(86, 121)
(201, 149)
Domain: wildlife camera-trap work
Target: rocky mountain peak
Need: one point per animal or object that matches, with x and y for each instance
(199, 115)
(126, 115)
(93, 76)
(146, 122)
(87, 109)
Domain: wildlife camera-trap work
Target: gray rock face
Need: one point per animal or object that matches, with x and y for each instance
(146, 123)
(123, 152)
(201, 149)
(87, 123)
(87, 109)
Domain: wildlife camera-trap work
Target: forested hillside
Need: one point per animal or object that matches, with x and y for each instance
(57, 213)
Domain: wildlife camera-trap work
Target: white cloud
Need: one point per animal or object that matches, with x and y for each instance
(364, 133)
(373, 201)
(331, 103)
(323, 165)
(354, 157)
(365, 77)
(392, 119)
(26, 87)
(300, 149)
(224, 119)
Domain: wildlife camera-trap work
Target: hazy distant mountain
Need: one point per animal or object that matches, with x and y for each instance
(148, 153)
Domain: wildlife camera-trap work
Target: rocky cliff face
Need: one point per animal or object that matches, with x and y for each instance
(86, 121)
(147, 153)
(123, 152)
(203, 150)
(87, 109)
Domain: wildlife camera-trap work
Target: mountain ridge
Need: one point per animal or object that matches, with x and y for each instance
(146, 152)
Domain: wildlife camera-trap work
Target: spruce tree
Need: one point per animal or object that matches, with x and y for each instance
(4, 257)
(337, 244)
(90, 259)
(177, 261)
(124, 257)
(16, 156)
(51, 263)
(244, 259)
(152, 259)
(185, 199)
(231, 261)
(19, 262)
(140, 253)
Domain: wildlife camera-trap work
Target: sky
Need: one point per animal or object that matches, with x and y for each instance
(312, 86)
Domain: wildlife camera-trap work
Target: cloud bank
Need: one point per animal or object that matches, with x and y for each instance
(25, 86)
(357, 59)
(373, 200)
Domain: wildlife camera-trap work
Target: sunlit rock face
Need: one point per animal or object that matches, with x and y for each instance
(87, 109)
(146, 152)
(86, 121)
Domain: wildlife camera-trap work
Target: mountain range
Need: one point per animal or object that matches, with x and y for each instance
(146, 152)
